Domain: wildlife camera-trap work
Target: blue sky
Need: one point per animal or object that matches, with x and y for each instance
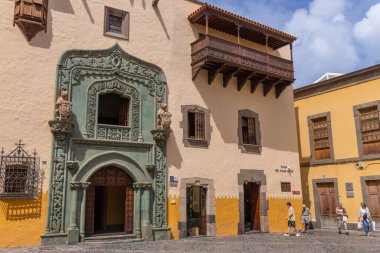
(334, 35)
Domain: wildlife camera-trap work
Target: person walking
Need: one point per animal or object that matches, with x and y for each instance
(341, 217)
(364, 217)
(291, 219)
(305, 218)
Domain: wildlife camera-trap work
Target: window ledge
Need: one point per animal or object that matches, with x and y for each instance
(197, 142)
(250, 148)
(321, 162)
(116, 35)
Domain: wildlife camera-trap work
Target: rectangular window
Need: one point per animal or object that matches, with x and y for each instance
(116, 23)
(196, 125)
(370, 130)
(285, 187)
(248, 130)
(321, 138)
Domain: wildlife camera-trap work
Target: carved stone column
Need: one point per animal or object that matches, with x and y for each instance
(146, 227)
(73, 232)
(160, 225)
(83, 211)
(61, 130)
(137, 200)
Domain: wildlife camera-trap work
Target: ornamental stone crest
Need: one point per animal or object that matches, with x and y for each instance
(63, 106)
(163, 117)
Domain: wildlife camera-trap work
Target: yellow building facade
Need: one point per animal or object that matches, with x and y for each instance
(339, 134)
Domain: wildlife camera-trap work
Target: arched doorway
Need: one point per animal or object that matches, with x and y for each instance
(109, 202)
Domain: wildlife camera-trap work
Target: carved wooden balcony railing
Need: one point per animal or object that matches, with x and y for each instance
(112, 132)
(220, 56)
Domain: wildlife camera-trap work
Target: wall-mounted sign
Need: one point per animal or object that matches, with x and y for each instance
(296, 192)
(284, 169)
(349, 190)
(173, 181)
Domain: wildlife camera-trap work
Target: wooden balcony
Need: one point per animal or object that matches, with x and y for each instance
(230, 59)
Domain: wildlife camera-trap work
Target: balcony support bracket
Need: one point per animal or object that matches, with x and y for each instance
(228, 76)
(212, 73)
(255, 81)
(280, 88)
(242, 79)
(269, 84)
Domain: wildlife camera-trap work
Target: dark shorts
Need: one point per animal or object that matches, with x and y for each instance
(291, 224)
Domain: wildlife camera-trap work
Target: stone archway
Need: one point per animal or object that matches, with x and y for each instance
(109, 202)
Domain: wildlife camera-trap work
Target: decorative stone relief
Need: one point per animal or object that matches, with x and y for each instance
(63, 106)
(112, 133)
(163, 117)
(160, 218)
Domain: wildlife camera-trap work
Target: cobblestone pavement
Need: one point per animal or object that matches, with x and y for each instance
(317, 241)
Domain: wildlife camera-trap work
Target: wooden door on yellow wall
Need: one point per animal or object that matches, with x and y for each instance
(374, 199)
(327, 205)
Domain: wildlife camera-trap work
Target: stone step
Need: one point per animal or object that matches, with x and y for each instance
(112, 238)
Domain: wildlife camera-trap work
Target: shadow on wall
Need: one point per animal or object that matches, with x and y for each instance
(303, 159)
(24, 209)
(305, 186)
(174, 156)
(276, 116)
(42, 39)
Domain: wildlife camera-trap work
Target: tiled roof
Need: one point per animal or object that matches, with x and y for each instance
(241, 18)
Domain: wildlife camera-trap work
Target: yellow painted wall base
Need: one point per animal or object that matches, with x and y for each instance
(227, 216)
(22, 221)
(278, 211)
(173, 216)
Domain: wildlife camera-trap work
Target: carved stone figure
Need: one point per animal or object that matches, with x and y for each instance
(163, 117)
(63, 106)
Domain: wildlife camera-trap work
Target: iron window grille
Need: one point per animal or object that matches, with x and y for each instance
(196, 125)
(18, 174)
(285, 187)
(248, 130)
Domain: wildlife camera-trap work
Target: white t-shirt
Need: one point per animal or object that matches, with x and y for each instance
(291, 214)
(363, 211)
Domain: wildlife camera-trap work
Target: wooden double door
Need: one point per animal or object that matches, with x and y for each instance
(109, 202)
(196, 210)
(327, 204)
(251, 206)
(373, 188)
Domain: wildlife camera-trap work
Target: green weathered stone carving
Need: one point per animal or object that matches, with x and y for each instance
(82, 140)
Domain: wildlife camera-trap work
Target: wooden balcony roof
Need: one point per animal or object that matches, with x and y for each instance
(236, 25)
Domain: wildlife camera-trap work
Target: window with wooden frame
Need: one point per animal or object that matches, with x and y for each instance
(370, 130)
(116, 23)
(196, 126)
(248, 131)
(321, 141)
(285, 187)
(113, 109)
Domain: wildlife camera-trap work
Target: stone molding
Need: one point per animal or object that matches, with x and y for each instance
(311, 139)
(184, 124)
(259, 177)
(210, 204)
(249, 148)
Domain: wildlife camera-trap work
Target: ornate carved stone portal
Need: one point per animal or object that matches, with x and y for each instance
(82, 145)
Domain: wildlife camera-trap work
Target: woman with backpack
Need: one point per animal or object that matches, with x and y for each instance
(364, 217)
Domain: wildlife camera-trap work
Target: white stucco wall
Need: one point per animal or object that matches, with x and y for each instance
(161, 36)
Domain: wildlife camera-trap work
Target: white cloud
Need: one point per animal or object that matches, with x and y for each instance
(325, 41)
(367, 32)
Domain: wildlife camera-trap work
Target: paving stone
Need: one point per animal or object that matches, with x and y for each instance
(317, 241)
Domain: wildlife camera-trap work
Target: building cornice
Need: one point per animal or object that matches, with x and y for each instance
(340, 82)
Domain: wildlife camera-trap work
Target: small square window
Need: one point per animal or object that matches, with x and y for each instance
(116, 23)
(285, 187)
